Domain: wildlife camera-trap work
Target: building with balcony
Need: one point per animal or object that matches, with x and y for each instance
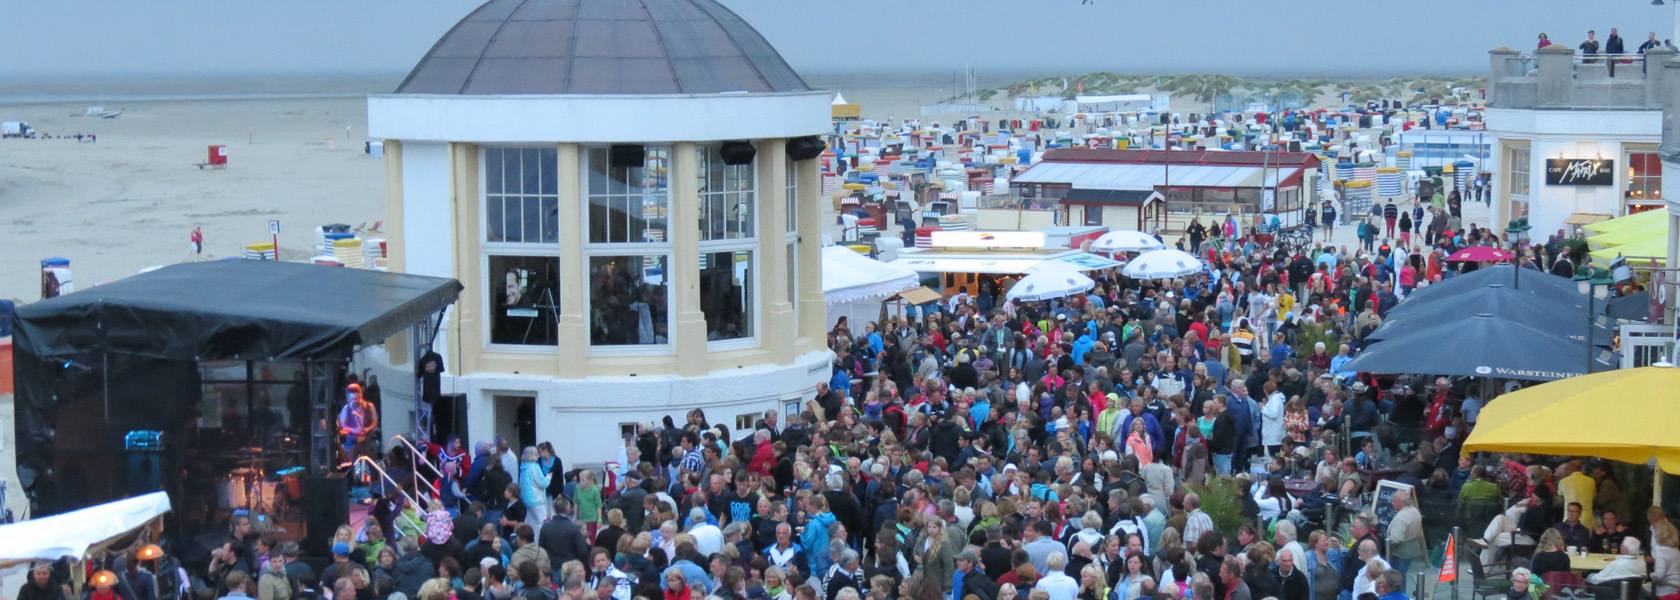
(628, 192)
(1576, 139)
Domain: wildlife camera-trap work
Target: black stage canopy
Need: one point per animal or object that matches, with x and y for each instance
(271, 339)
(231, 309)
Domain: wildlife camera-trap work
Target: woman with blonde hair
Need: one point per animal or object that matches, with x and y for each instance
(1665, 558)
(436, 588)
(1092, 584)
(1549, 556)
(1138, 444)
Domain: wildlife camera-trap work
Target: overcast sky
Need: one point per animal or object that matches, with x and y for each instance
(187, 37)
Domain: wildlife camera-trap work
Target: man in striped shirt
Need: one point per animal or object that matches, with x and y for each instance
(1196, 522)
(692, 460)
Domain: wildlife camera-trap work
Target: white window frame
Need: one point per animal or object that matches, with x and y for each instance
(748, 244)
(792, 251)
(488, 248)
(1628, 185)
(592, 250)
(1525, 167)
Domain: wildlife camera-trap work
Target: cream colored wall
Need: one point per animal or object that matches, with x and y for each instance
(397, 345)
(782, 338)
(813, 311)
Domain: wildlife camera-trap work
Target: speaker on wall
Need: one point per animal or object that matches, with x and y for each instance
(326, 505)
(737, 153)
(626, 156)
(808, 147)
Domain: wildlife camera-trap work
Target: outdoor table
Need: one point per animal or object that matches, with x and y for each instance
(1300, 488)
(1590, 562)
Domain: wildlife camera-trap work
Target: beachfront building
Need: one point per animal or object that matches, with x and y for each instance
(628, 192)
(1155, 190)
(1572, 143)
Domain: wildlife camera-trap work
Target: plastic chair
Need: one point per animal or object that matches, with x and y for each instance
(1480, 585)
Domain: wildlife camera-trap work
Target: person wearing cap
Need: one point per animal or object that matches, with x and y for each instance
(969, 579)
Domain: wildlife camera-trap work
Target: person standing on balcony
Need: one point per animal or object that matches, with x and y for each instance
(1651, 43)
(1613, 47)
(1589, 48)
(1544, 41)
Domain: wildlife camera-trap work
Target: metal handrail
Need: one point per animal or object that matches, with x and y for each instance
(420, 458)
(398, 487)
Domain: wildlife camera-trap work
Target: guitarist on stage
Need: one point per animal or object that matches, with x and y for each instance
(356, 422)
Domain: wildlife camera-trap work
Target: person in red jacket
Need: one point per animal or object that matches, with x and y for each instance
(764, 455)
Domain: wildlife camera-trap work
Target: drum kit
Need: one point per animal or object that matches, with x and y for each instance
(252, 487)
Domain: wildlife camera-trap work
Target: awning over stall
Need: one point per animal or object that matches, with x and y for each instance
(72, 534)
(997, 265)
(849, 276)
(257, 310)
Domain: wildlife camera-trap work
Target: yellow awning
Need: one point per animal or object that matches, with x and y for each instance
(1628, 235)
(1639, 254)
(1627, 221)
(1626, 415)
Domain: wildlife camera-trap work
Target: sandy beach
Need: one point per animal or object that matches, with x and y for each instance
(130, 200)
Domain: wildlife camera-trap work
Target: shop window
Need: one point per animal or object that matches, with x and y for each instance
(1644, 181)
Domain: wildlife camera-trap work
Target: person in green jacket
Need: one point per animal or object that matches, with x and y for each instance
(588, 500)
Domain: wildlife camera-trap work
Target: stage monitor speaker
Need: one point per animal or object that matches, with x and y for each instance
(737, 153)
(626, 156)
(809, 147)
(449, 416)
(326, 505)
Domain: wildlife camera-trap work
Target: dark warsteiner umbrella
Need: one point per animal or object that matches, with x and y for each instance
(1482, 345)
(1535, 307)
(1544, 284)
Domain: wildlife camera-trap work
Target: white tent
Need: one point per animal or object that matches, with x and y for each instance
(72, 534)
(848, 277)
(854, 285)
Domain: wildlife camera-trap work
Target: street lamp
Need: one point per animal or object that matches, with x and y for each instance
(1595, 284)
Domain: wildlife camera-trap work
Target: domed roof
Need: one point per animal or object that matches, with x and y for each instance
(601, 47)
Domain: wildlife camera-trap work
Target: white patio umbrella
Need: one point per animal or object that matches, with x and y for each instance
(1126, 241)
(1162, 264)
(1047, 280)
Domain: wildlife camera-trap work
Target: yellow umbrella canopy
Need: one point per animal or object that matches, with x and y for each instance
(1627, 415)
(1628, 235)
(1639, 254)
(1619, 223)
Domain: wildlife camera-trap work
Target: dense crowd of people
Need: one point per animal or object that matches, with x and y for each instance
(1199, 437)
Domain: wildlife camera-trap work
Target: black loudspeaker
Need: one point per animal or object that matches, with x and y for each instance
(326, 505)
(449, 416)
(809, 147)
(737, 153)
(626, 156)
